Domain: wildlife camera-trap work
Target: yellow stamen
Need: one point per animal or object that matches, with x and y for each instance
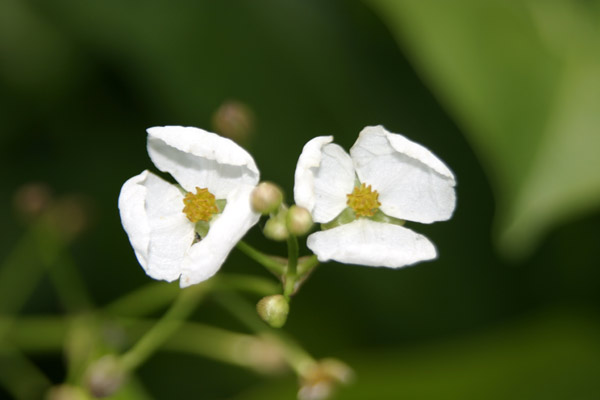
(363, 201)
(200, 206)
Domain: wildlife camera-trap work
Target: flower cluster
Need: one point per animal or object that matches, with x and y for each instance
(365, 197)
(175, 233)
(185, 231)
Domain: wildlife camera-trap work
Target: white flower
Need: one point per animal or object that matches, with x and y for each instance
(209, 169)
(385, 175)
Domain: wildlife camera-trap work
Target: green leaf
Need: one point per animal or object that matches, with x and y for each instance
(522, 79)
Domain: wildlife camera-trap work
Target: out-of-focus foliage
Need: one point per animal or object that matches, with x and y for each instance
(550, 357)
(522, 78)
(80, 81)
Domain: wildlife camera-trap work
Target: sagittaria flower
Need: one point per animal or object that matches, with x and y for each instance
(362, 199)
(186, 231)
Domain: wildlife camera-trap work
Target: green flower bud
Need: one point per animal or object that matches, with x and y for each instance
(275, 229)
(266, 198)
(298, 221)
(273, 310)
(105, 376)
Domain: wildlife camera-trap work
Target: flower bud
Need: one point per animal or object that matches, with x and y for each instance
(71, 215)
(298, 220)
(266, 198)
(234, 120)
(32, 199)
(275, 229)
(105, 376)
(273, 310)
(320, 381)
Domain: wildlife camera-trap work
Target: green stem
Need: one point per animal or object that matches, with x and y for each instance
(183, 306)
(307, 264)
(63, 271)
(19, 273)
(24, 333)
(20, 377)
(145, 300)
(295, 356)
(157, 295)
(263, 259)
(247, 283)
(218, 344)
(291, 273)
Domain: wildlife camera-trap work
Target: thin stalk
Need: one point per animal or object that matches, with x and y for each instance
(295, 356)
(155, 296)
(263, 259)
(307, 264)
(291, 272)
(63, 271)
(234, 348)
(20, 377)
(183, 306)
(145, 300)
(20, 272)
(247, 283)
(219, 344)
(24, 333)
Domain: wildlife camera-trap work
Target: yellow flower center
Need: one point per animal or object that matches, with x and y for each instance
(363, 201)
(200, 206)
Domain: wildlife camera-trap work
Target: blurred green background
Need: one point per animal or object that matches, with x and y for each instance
(506, 93)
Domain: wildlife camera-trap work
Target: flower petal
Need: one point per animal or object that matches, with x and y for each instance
(171, 233)
(206, 257)
(413, 184)
(197, 158)
(370, 243)
(159, 232)
(324, 176)
(132, 208)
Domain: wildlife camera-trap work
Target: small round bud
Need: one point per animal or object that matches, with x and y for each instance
(266, 198)
(273, 310)
(32, 199)
(275, 229)
(105, 376)
(235, 120)
(298, 220)
(71, 215)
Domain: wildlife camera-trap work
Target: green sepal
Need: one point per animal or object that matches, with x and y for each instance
(381, 217)
(221, 204)
(201, 228)
(345, 217)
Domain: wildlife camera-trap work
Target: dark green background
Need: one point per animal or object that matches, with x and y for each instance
(80, 81)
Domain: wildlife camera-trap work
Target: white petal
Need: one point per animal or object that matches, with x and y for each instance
(132, 207)
(375, 244)
(324, 176)
(171, 233)
(413, 184)
(206, 257)
(197, 158)
(159, 232)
